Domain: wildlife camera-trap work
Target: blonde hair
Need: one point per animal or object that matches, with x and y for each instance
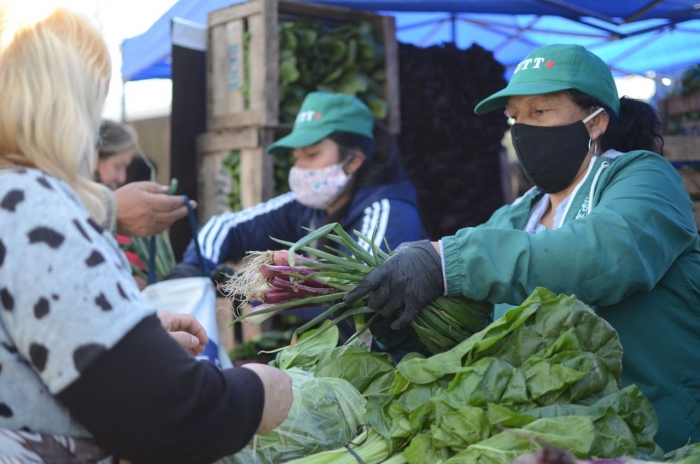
(54, 75)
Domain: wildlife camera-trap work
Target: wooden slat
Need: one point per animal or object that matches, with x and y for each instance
(691, 180)
(256, 57)
(251, 176)
(272, 58)
(242, 10)
(266, 137)
(682, 148)
(680, 105)
(235, 68)
(318, 11)
(234, 139)
(239, 120)
(218, 68)
(391, 65)
(214, 186)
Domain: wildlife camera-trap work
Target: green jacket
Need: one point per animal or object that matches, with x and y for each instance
(628, 247)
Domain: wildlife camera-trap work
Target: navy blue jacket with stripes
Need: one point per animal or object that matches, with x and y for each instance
(391, 210)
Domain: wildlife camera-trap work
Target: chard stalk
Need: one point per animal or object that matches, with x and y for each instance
(372, 449)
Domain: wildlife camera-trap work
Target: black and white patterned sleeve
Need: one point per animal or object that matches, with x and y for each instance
(67, 294)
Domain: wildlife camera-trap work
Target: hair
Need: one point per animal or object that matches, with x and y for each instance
(637, 127)
(54, 75)
(380, 167)
(116, 138)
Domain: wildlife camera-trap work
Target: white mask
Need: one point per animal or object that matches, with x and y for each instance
(318, 188)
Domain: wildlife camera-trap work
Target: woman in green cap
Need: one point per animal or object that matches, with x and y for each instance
(608, 220)
(346, 170)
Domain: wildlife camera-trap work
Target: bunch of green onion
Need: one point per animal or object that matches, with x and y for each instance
(283, 280)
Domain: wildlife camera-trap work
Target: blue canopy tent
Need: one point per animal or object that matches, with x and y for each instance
(643, 37)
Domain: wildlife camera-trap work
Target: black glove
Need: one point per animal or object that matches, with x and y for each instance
(221, 274)
(381, 327)
(410, 279)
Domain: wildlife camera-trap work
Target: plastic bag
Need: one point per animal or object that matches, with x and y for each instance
(326, 413)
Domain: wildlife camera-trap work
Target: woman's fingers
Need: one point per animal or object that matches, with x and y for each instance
(186, 324)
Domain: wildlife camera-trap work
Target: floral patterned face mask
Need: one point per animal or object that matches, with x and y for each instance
(318, 188)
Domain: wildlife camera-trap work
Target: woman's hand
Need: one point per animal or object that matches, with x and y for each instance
(278, 395)
(145, 208)
(409, 280)
(186, 331)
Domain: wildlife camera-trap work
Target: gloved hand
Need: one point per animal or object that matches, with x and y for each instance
(381, 327)
(221, 274)
(410, 279)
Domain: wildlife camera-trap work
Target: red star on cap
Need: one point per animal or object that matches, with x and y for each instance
(549, 64)
(318, 116)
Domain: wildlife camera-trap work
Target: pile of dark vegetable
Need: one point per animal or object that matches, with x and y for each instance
(443, 143)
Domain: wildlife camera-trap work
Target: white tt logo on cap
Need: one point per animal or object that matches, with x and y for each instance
(525, 63)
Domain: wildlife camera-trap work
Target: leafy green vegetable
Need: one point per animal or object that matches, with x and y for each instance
(307, 355)
(326, 413)
(689, 454)
(546, 374)
(356, 364)
(522, 332)
(315, 56)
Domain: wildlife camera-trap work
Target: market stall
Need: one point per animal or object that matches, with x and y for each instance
(544, 380)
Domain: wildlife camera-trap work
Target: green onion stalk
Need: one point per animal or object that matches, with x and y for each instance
(284, 280)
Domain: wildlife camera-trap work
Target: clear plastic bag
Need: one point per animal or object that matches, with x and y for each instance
(326, 413)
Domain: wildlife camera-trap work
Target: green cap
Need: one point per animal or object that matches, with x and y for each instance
(554, 68)
(323, 113)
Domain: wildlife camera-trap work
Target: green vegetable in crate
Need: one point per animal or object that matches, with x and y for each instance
(282, 281)
(316, 56)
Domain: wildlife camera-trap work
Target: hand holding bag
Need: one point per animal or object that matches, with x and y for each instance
(195, 296)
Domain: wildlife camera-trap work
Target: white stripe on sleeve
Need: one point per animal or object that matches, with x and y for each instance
(215, 231)
(374, 223)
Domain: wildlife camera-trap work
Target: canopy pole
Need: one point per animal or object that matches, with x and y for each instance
(123, 101)
(453, 26)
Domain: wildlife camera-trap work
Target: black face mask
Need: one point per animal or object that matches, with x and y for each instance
(551, 156)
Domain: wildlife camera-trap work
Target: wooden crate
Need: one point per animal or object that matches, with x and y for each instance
(256, 183)
(225, 64)
(682, 147)
(675, 106)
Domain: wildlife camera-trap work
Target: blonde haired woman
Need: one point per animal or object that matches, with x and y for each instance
(86, 370)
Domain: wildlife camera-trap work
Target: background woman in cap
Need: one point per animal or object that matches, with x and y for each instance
(346, 170)
(608, 220)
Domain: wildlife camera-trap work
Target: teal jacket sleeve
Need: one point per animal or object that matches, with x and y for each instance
(640, 224)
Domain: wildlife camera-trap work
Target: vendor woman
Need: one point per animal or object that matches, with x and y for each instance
(608, 220)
